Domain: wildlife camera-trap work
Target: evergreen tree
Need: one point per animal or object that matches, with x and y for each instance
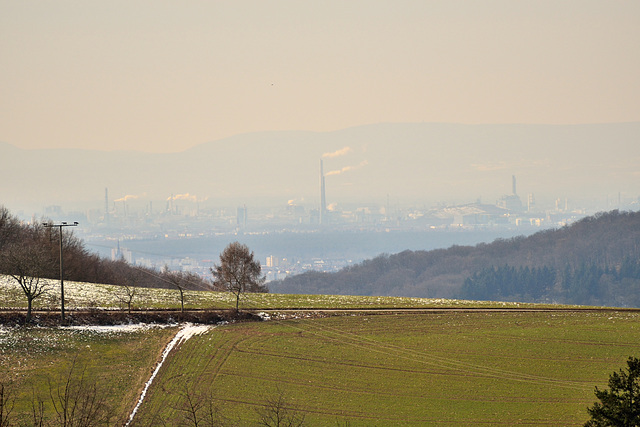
(619, 406)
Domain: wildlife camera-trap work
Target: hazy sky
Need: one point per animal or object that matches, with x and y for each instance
(163, 76)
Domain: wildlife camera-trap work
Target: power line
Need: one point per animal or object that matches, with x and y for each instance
(62, 224)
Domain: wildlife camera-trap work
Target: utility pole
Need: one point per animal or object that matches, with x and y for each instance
(62, 224)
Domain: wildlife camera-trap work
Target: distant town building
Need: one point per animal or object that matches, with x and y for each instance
(272, 261)
(531, 202)
(119, 253)
(512, 201)
(241, 216)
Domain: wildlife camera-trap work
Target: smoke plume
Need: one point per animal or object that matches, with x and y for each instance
(186, 196)
(127, 198)
(341, 152)
(347, 168)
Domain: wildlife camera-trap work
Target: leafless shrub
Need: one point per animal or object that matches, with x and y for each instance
(37, 411)
(199, 409)
(278, 411)
(77, 401)
(128, 282)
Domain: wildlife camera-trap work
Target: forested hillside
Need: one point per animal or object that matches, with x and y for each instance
(594, 261)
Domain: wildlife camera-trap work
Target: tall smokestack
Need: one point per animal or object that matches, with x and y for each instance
(513, 179)
(323, 200)
(106, 205)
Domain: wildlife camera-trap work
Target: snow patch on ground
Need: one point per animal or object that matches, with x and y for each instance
(187, 331)
(264, 316)
(107, 329)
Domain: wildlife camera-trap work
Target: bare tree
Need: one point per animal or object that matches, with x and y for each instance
(28, 263)
(125, 293)
(127, 279)
(238, 272)
(279, 412)
(176, 279)
(7, 401)
(181, 281)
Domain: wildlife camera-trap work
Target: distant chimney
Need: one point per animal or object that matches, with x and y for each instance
(323, 200)
(513, 179)
(106, 205)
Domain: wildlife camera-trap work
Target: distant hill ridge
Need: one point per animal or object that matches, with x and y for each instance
(595, 261)
(430, 162)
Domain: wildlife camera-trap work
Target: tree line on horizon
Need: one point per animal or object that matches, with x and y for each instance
(594, 261)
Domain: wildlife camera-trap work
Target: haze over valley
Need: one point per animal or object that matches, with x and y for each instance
(385, 164)
(388, 188)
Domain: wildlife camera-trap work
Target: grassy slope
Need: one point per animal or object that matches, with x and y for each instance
(120, 363)
(89, 295)
(446, 368)
(450, 368)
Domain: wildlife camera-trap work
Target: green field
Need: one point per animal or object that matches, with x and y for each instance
(452, 368)
(359, 369)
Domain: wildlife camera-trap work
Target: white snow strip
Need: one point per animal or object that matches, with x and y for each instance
(183, 334)
(114, 328)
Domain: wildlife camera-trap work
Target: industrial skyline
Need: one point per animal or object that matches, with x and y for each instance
(406, 164)
(292, 238)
